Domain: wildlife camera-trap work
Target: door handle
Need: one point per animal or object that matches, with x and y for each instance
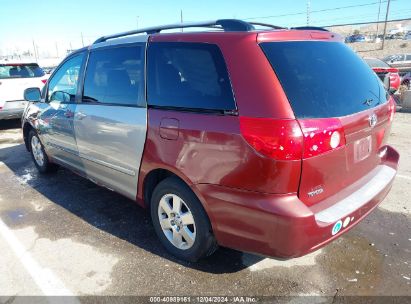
(68, 114)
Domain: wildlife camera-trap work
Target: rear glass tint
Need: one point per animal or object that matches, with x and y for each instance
(324, 79)
(20, 71)
(188, 76)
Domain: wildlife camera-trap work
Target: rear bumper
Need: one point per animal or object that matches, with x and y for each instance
(282, 225)
(11, 114)
(12, 109)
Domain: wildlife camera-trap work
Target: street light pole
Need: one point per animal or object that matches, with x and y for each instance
(378, 18)
(35, 51)
(385, 24)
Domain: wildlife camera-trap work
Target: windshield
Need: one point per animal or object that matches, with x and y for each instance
(20, 71)
(324, 79)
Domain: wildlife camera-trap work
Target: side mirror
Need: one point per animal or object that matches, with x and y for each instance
(32, 94)
(387, 82)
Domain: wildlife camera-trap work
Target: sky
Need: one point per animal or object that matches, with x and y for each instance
(58, 25)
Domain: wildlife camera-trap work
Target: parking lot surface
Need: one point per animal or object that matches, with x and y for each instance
(61, 234)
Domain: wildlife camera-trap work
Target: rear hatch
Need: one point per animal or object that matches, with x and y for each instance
(15, 78)
(341, 107)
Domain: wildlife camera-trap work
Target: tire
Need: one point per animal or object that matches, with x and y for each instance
(186, 231)
(38, 154)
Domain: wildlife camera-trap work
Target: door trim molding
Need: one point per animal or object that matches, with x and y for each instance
(95, 160)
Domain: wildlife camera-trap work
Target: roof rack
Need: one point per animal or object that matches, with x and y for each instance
(277, 27)
(227, 25)
(314, 28)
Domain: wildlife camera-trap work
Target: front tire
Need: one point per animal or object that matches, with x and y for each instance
(180, 221)
(38, 154)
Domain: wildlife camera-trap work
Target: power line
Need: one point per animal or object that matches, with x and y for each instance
(318, 11)
(405, 13)
(369, 22)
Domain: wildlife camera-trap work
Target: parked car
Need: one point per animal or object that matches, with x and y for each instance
(355, 38)
(14, 79)
(48, 70)
(266, 141)
(382, 69)
(407, 36)
(406, 80)
(400, 61)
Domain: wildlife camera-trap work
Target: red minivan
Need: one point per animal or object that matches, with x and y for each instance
(266, 140)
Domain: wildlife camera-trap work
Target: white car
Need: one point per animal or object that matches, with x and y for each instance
(14, 79)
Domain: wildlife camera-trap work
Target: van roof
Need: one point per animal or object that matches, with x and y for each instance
(217, 26)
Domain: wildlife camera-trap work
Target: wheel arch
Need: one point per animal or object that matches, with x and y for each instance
(27, 127)
(154, 176)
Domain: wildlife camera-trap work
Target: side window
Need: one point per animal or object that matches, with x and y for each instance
(408, 58)
(63, 85)
(188, 75)
(115, 76)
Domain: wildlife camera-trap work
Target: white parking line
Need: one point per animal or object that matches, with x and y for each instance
(404, 176)
(44, 278)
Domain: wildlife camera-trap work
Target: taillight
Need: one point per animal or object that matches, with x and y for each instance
(280, 139)
(321, 135)
(391, 108)
(44, 81)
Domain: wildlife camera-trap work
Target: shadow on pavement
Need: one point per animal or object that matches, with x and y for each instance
(10, 124)
(110, 212)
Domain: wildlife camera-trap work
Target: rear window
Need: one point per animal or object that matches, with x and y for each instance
(20, 71)
(189, 76)
(324, 79)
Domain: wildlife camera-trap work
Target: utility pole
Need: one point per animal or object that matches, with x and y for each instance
(181, 18)
(137, 20)
(378, 18)
(385, 24)
(35, 51)
(82, 40)
(57, 50)
(308, 12)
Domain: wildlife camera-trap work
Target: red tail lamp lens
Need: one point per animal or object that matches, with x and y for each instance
(321, 135)
(275, 138)
(391, 108)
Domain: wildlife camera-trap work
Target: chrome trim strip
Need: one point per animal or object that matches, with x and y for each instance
(97, 161)
(359, 198)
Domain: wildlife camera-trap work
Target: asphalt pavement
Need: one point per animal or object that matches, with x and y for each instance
(61, 234)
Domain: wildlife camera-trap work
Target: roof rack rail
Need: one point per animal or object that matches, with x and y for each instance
(227, 25)
(315, 28)
(277, 27)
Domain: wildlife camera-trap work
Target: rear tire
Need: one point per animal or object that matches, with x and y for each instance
(185, 230)
(38, 154)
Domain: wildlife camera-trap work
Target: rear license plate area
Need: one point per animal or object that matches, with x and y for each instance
(362, 148)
